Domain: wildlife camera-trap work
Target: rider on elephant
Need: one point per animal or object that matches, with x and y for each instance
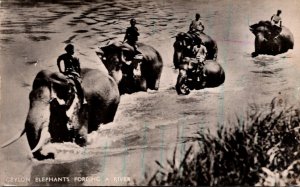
(200, 53)
(276, 23)
(72, 70)
(131, 37)
(196, 26)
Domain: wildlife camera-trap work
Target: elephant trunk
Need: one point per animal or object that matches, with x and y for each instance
(176, 58)
(260, 43)
(38, 118)
(116, 75)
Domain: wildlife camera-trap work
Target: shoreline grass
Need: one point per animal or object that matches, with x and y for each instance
(262, 149)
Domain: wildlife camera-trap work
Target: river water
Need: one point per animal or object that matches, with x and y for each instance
(148, 125)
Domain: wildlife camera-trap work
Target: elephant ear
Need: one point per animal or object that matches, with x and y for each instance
(58, 78)
(61, 88)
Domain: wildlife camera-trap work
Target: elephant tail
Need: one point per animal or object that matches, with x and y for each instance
(13, 139)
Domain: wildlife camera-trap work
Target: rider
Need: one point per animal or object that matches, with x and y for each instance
(200, 52)
(196, 25)
(276, 19)
(131, 36)
(276, 23)
(72, 69)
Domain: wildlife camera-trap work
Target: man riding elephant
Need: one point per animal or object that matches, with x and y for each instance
(51, 99)
(137, 75)
(72, 69)
(185, 42)
(271, 41)
(196, 25)
(131, 37)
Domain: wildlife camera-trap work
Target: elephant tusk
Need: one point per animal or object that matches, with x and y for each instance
(45, 137)
(13, 139)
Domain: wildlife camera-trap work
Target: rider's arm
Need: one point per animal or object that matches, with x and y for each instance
(191, 26)
(59, 59)
(76, 65)
(126, 35)
(79, 68)
(201, 24)
(280, 22)
(272, 17)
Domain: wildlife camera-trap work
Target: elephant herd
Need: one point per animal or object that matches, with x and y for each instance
(52, 119)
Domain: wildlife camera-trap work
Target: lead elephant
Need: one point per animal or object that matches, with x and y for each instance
(271, 40)
(185, 41)
(134, 76)
(52, 117)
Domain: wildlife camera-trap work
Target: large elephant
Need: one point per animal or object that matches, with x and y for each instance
(185, 41)
(271, 40)
(53, 117)
(136, 75)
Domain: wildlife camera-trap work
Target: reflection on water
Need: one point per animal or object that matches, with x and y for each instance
(147, 125)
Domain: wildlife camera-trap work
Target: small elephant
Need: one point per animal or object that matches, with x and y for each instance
(130, 75)
(49, 117)
(271, 40)
(185, 41)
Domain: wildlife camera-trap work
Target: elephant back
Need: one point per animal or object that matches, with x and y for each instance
(214, 72)
(211, 46)
(152, 60)
(287, 37)
(96, 80)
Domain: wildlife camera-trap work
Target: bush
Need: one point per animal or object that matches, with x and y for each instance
(261, 150)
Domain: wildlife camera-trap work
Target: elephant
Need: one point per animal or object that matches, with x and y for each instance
(271, 40)
(185, 41)
(211, 75)
(53, 117)
(130, 74)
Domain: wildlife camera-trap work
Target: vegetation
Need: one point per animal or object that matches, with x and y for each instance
(263, 149)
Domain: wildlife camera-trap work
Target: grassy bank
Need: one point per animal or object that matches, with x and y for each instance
(263, 148)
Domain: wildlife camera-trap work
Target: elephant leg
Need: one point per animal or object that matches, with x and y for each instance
(37, 155)
(110, 114)
(142, 84)
(181, 86)
(153, 83)
(153, 80)
(81, 136)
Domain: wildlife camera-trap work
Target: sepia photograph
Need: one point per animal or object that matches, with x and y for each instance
(149, 92)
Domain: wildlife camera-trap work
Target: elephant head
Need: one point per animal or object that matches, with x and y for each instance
(263, 36)
(132, 74)
(51, 99)
(182, 47)
(56, 112)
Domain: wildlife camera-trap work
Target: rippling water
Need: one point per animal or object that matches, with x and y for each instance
(147, 125)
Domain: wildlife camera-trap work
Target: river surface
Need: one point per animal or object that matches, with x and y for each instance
(148, 125)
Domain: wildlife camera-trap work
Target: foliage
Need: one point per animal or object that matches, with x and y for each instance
(261, 150)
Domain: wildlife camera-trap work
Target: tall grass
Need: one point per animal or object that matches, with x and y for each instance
(261, 149)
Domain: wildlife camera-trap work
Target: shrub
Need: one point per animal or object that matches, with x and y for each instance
(261, 150)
